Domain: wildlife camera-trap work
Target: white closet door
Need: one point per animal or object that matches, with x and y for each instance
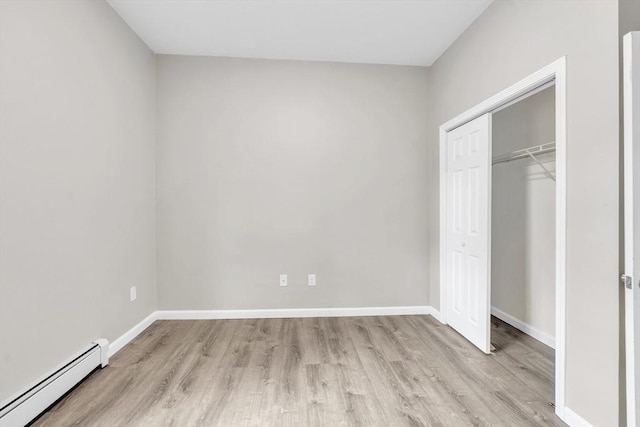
(468, 231)
(631, 82)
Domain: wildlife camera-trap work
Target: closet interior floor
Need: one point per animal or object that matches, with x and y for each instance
(369, 371)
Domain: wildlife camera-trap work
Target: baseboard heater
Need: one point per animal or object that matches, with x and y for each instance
(26, 406)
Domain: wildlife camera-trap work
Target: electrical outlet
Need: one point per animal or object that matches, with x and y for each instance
(133, 294)
(312, 280)
(283, 280)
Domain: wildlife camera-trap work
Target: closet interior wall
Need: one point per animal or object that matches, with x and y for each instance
(523, 215)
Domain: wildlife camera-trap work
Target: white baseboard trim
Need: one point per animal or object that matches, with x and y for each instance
(541, 336)
(573, 419)
(437, 315)
(128, 336)
(292, 313)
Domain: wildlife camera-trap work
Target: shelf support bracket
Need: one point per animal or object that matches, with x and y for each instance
(546, 171)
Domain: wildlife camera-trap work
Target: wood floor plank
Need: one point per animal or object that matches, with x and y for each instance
(350, 371)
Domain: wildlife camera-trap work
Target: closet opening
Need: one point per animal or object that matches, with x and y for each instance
(503, 227)
(523, 246)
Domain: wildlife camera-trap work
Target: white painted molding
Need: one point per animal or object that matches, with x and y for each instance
(533, 332)
(293, 313)
(525, 86)
(128, 336)
(631, 97)
(573, 419)
(436, 314)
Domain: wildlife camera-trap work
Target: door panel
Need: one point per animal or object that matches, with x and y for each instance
(468, 230)
(631, 83)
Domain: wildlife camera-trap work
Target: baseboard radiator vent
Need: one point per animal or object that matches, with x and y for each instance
(26, 406)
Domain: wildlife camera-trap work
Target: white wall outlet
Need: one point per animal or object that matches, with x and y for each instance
(283, 280)
(133, 294)
(312, 280)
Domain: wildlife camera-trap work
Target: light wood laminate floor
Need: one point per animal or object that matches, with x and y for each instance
(367, 371)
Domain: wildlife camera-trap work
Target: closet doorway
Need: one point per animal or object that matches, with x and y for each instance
(523, 192)
(503, 216)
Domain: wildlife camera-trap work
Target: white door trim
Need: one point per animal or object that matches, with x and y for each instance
(555, 71)
(631, 62)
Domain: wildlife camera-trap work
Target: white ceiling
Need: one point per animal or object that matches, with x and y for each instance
(364, 31)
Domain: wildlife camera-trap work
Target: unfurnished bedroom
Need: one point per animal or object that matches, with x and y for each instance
(319, 213)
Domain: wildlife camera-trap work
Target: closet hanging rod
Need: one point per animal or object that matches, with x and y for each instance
(525, 152)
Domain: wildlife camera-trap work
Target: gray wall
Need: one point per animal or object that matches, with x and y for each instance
(511, 40)
(523, 215)
(76, 182)
(270, 167)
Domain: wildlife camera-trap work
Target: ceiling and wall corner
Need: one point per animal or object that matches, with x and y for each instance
(397, 32)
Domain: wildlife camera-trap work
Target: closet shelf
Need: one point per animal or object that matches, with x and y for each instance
(529, 152)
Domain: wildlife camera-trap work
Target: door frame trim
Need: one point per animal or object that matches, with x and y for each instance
(630, 60)
(554, 72)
